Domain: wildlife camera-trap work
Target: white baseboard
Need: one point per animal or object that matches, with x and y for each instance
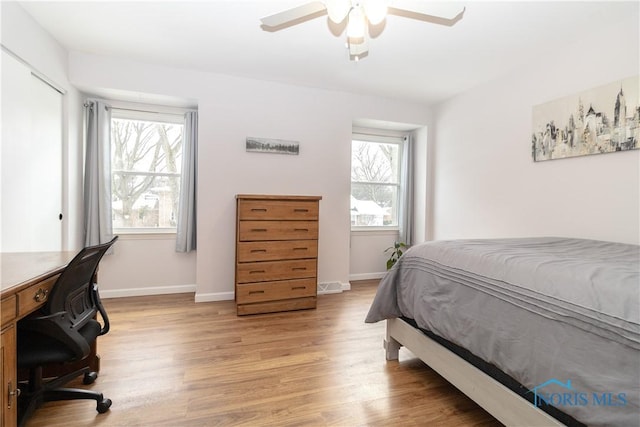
(215, 296)
(155, 290)
(323, 288)
(367, 276)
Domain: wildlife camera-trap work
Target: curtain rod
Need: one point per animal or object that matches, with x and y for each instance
(393, 134)
(145, 111)
(380, 132)
(379, 137)
(140, 110)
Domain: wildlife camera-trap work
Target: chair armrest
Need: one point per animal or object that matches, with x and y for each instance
(103, 313)
(58, 327)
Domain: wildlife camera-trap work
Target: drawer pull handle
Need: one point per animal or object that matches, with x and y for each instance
(259, 229)
(301, 210)
(256, 292)
(255, 251)
(256, 271)
(301, 229)
(297, 288)
(298, 268)
(300, 249)
(41, 295)
(258, 210)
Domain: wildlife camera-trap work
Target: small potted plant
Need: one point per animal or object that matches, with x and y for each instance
(396, 252)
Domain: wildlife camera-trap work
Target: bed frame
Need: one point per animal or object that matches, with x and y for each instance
(505, 405)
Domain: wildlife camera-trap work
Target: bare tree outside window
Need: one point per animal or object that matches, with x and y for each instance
(145, 163)
(375, 180)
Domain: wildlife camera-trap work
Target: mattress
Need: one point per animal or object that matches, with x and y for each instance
(560, 316)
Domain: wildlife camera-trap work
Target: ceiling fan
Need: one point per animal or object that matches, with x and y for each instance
(359, 15)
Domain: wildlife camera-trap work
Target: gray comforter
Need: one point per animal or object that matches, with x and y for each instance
(561, 316)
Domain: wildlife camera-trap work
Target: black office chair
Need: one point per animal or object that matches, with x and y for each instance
(63, 331)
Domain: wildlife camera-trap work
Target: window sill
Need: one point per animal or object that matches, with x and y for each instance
(376, 230)
(140, 234)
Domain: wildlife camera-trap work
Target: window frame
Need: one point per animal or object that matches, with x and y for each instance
(380, 137)
(151, 113)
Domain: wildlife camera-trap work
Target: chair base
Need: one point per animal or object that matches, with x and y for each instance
(36, 392)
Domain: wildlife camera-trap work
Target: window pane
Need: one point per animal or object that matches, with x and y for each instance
(374, 205)
(145, 146)
(375, 177)
(374, 162)
(146, 159)
(146, 201)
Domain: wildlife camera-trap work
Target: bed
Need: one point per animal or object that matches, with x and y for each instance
(538, 331)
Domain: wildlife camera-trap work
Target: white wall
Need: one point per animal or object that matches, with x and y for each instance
(146, 265)
(422, 184)
(27, 40)
(367, 259)
(230, 109)
(486, 184)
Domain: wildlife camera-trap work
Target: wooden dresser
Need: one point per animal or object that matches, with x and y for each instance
(276, 253)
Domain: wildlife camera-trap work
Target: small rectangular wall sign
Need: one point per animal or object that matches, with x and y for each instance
(276, 146)
(605, 119)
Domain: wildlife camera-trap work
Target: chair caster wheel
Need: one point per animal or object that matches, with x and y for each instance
(89, 378)
(103, 406)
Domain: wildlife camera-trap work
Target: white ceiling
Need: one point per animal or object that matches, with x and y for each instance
(408, 60)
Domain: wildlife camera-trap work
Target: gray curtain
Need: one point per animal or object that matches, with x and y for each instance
(186, 229)
(406, 196)
(97, 174)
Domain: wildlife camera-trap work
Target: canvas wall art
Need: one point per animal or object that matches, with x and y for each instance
(277, 146)
(601, 120)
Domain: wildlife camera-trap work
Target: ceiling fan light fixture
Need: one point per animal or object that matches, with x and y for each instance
(357, 48)
(375, 10)
(337, 9)
(359, 14)
(357, 25)
(355, 40)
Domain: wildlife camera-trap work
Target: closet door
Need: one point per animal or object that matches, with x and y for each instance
(31, 172)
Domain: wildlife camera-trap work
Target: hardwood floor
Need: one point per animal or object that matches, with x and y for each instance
(168, 361)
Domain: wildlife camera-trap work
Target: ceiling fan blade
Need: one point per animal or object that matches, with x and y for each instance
(293, 16)
(435, 13)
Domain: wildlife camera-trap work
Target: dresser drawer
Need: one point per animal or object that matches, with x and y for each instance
(277, 230)
(275, 270)
(35, 295)
(277, 209)
(8, 309)
(269, 291)
(271, 251)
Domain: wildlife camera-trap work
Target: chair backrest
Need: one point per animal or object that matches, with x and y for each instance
(73, 291)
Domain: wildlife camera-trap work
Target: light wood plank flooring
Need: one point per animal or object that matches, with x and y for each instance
(168, 361)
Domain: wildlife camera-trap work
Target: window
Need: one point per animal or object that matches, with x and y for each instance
(375, 181)
(146, 160)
